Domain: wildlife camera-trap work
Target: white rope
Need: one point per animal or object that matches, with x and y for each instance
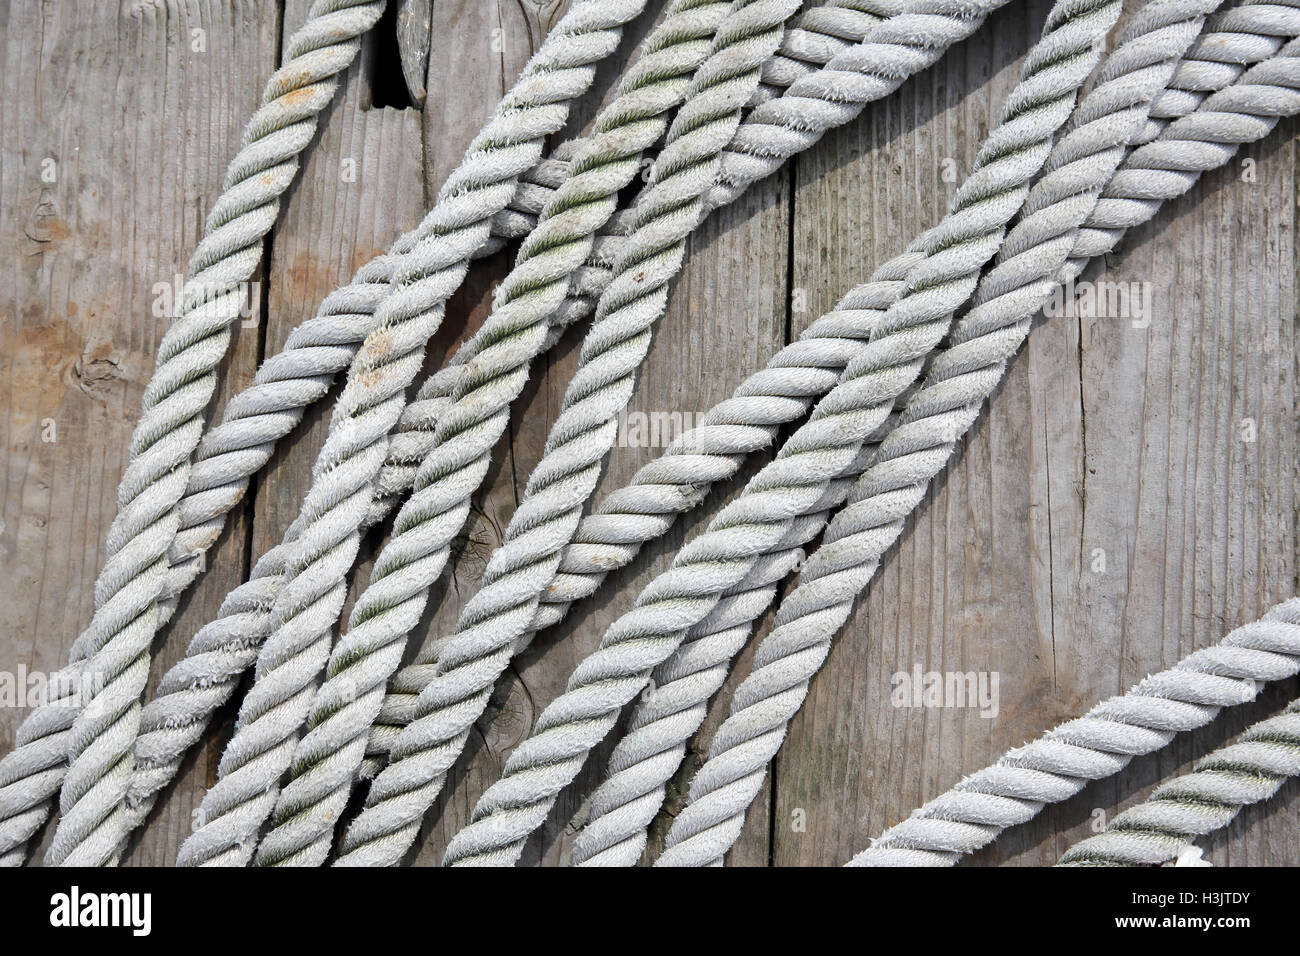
(317, 562)
(270, 409)
(329, 755)
(1063, 761)
(317, 351)
(114, 649)
(666, 212)
(1249, 770)
(934, 420)
(521, 570)
(298, 585)
(662, 723)
(781, 393)
(301, 374)
(798, 478)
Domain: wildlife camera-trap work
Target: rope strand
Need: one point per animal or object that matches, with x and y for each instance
(796, 481)
(297, 648)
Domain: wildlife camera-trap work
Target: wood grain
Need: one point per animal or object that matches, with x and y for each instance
(1170, 448)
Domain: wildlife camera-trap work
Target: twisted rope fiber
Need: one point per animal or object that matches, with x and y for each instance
(1242, 35)
(516, 207)
(286, 384)
(816, 36)
(329, 756)
(303, 371)
(794, 483)
(1180, 67)
(1073, 177)
(894, 49)
(115, 646)
(936, 417)
(1063, 761)
(273, 405)
(236, 449)
(779, 394)
(304, 610)
(1249, 770)
(666, 212)
(242, 443)
(662, 723)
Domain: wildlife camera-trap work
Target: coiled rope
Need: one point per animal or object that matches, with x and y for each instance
(796, 480)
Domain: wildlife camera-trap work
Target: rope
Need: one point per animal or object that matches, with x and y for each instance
(231, 453)
(662, 723)
(304, 370)
(1063, 761)
(797, 479)
(302, 373)
(1249, 770)
(296, 650)
(936, 417)
(329, 756)
(666, 212)
(897, 47)
(272, 406)
(115, 646)
(781, 393)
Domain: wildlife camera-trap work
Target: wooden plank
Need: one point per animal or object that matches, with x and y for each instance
(117, 126)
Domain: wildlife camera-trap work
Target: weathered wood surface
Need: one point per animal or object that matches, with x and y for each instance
(1129, 495)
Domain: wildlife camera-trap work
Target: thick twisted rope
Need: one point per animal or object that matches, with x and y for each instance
(893, 50)
(300, 374)
(662, 723)
(295, 653)
(114, 649)
(330, 754)
(236, 449)
(1063, 761)
(817, 35)
(304, 370)
(666, 212)
(286, 384)
(318, 350)
(796, 481)
(935, 418)
(1249, 770)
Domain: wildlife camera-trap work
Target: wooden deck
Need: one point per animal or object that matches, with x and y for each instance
(1129, 496)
